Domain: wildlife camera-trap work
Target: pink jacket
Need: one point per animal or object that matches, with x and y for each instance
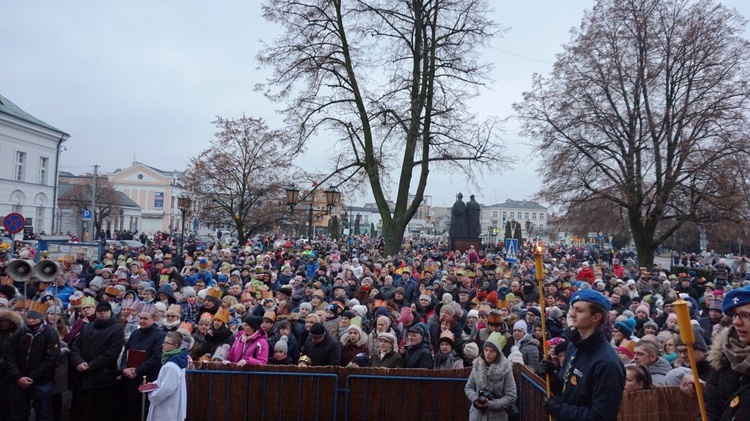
(254, 350)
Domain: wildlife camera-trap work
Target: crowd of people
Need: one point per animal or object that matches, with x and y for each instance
(103, 329)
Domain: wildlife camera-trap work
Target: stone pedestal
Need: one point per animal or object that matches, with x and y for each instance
(463, 244)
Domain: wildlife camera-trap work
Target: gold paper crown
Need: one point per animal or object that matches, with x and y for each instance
(187, 326)
(222, 315)
(213, 292)
(112, 290)
(246, 296)
(32, 305)
(88, 301)
(207, 316)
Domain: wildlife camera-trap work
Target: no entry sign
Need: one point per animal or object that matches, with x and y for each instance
(14, 222)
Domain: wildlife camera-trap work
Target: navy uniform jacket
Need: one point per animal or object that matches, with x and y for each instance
(591, 379)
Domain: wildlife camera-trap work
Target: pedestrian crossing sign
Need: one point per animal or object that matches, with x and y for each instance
(511, 250)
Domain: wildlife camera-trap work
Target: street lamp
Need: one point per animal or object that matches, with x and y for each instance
(183, 203)
(292, 198)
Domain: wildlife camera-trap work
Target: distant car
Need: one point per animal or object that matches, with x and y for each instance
(133, 245)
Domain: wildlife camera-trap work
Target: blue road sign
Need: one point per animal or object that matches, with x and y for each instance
(511, 250)
(86, 215)
(14, 222)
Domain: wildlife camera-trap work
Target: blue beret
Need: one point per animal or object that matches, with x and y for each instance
(591, 296)
(535, 311)
(735, 298)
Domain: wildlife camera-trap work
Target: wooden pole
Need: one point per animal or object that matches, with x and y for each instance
(539, 265)
(688, 338)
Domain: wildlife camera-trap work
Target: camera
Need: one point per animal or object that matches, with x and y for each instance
(486, 395)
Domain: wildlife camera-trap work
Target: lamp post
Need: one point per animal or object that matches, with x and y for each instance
(292, 198)
(183, 203)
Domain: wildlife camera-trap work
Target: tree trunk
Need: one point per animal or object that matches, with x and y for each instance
(643, 237)
(394, 237)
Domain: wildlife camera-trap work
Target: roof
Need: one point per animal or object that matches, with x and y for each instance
(11, 109)
(519, 204)
(162, 172)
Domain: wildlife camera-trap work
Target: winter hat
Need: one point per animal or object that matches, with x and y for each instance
(407, 316)
(317, 330)
(496, 341)
(627, 347)
(357, 328)
(700, 342)
(360, 309)
(386, 320)
(446, 298)
(652, 324)
(471, 350)
(53, 309)
(418, 329)
(642, 307)
(103, 306)
(253, 321)
(282, 345)
(473, 313)
(361, 360)
(521, 325)
(425, 297)
(161, 307)
(3, 302)
(349, 314)
(308, 306)
(188, 292)
(672, 317)
(448, 309)
(390, 337)
(626, 327)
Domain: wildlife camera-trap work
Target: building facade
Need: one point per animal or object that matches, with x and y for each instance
(155, 192)
(29, 155)
(531, 216)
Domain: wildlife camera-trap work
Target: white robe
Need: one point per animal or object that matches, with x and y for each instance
(169, 401)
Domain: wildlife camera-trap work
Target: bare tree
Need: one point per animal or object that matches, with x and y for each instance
(647, 109)
(107, 201)
(239, 180)
(389, 80)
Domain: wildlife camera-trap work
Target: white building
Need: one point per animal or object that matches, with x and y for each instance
(530, 215)
(29, 154)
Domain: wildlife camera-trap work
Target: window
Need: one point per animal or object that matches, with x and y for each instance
(505, 214)
(533, 216)
(20, 166)
(541, 216)
(39, 221)
(494, 214)
(43, 165)
(18, 208)
(511, 216)
(527, 216)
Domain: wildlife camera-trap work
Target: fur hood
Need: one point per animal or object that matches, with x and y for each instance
(715, 356)
(12, 316)
(489, 375)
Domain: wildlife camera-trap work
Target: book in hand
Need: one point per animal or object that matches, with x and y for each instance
(148, 387)
(136, 358)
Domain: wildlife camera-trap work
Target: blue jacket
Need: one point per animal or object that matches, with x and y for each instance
(592, 379)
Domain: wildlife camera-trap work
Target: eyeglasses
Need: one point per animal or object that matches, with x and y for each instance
(743, 315)
(169, 343)
(681, 351)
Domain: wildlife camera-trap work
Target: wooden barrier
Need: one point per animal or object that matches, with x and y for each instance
(327, 393)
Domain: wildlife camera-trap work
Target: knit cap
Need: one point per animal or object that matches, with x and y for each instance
(521, 325)
(282, 345)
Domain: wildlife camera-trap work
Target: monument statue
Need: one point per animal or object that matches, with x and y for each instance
(473, 226)
(458, 227)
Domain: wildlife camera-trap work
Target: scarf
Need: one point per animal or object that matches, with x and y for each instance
(166, 355)
(737, 353)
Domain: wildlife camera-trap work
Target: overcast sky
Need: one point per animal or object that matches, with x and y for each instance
(142, 80)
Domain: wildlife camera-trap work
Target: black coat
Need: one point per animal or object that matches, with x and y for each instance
(327, 352)
(32, 354)
(148, 340)
(724, 384)
(99, 345)
(593, 379)
(418, 356)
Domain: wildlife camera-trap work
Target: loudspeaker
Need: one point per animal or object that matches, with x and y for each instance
(46, 270)
(20, 270)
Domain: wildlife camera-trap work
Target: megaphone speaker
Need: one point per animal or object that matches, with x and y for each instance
(46, 270)
(20, 270)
